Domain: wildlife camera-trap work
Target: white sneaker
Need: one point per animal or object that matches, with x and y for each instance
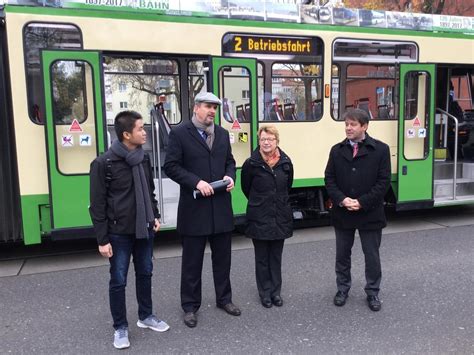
(121, 338)
(153, 323)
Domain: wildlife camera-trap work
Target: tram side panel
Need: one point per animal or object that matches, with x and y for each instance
(10, 221)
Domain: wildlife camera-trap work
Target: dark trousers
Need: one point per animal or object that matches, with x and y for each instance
(123, 247)
(191, 269)
(268, 266)
(370, 240)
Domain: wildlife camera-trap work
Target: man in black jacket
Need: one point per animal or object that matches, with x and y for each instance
(357, 178)
(124, 212)
(198, 153)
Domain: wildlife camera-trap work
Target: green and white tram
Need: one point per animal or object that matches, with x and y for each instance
(66, 72)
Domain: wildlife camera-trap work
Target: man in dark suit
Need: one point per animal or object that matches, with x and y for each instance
(198, 153)
(357, 178)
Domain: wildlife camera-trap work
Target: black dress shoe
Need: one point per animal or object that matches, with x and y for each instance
(190, 319)
(230, 308)
(266, 302)
(340, 298)
(374, 303)
(277, 301)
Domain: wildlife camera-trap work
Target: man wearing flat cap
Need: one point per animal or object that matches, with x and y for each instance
(199, 153)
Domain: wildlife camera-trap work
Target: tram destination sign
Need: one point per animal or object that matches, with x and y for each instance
(256, 44)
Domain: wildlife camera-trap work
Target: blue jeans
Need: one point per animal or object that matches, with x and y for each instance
(123, 247)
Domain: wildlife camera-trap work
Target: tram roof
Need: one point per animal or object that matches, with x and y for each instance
(271, 11)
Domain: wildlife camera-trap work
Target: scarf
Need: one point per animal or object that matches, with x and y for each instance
(272, 158)
(144, 210)
(208, 129)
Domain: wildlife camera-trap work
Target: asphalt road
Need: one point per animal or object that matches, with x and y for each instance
(427, 308)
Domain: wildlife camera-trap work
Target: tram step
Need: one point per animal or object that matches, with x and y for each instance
(444, 187)
(445, 170)
(447, 201)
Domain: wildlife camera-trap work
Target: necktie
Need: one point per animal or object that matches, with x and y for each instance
(204, 135)
(355, 148)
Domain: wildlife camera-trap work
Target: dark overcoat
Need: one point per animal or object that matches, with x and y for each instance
(189, 160)
(366, 177)
(269, 215)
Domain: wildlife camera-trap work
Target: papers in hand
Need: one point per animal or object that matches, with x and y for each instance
(218, 186)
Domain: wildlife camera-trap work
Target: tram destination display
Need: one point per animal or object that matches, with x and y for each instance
(255, 44)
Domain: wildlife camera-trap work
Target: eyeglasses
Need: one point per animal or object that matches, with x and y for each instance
(270, 140)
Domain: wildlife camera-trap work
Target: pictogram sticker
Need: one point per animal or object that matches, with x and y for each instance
(236, 125)
(67, 140)
(422, 133)
(410, 133)
(243, 137)
(416, 122)
(85, 140)
(75, 126)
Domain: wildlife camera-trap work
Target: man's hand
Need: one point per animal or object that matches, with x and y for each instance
(355, 206)
(351, 204)
(231, 185)
(157, 225)
(106, 250)
(205, 188)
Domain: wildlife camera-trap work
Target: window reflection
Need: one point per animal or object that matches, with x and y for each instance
(38, 36)
(69, 103)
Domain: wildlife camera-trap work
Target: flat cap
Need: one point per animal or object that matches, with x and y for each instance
(207, 97)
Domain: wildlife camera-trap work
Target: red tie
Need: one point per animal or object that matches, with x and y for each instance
(355, 148)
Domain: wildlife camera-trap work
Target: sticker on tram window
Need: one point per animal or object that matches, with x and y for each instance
(67, 140)
(422, 133)
(236, 125)
(416, 122)
(75, 126)
(410, 133)
(231, 138)
(85, 140)
(243, 137)
(256, 44)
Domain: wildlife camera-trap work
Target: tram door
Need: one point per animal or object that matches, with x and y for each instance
(234, 81)
(415, 136)
(74, 131)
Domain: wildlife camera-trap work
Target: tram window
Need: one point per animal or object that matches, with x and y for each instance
(411, 95)
(232, 81)
(38, 36)
(235, 80)
(462, 90)
(335, 90)
(416, 115)
(72, 83)
(197, 80)
(69, 87)
(370, 88)
(296, 93)
(138, 84)
(374, 51)
(260, 90)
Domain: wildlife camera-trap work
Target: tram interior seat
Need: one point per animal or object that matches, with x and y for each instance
(247, 112)
(273, 111)
(364, 104)
(243, 113)
(289, 112)
(165, 127)
(240, 113)
(317, 109)
(383, 111)
(164, 131)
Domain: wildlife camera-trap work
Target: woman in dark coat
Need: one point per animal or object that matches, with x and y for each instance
(267, 177)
